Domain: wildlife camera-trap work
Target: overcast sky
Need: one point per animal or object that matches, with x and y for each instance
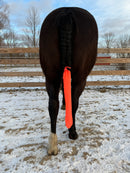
(111, 15)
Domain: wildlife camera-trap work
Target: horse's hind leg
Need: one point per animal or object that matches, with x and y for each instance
(77, 89)
(63, 99)
(53, 91)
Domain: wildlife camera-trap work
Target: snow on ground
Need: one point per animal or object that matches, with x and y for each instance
(103, 125)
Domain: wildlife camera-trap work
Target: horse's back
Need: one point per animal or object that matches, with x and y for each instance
(84, 47)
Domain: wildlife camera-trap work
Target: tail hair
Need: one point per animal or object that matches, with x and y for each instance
(66, 28)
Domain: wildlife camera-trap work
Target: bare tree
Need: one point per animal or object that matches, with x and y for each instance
(10, 39)
(4, 14)
(4, 18)
(31, 32)
(109, 39)
(123, 42)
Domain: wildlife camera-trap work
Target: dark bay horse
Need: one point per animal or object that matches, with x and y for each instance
(68, 38)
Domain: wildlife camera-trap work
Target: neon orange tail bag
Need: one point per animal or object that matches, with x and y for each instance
(67, 94)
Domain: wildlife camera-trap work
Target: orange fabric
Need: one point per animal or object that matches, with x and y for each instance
(67, 94)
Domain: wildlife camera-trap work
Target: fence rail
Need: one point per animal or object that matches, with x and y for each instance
(35, 61)
(36, 50)
(93, 73)
(41, 84)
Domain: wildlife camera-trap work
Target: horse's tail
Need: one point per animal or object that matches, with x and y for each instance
(66, 31)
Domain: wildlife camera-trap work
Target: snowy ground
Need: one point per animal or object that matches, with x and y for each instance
(103, 125)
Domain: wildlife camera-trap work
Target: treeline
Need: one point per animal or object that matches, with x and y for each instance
(110, 40)
(29, 36)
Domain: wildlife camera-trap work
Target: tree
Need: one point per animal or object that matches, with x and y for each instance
(10, 39)
(123, 42)
(4, 13)
(31, 33)
(4, 18)
(109, 39)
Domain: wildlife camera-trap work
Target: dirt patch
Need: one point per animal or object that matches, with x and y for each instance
(73, 153)
(94, 160)
(40, 145)
(95, 144)
(1, 162)
(15, 131)
(9, 151)
(75, 171)
(103, 90)
(92, 131)
(2, 127)
(85, 155)
(44, 159)
(30, 159)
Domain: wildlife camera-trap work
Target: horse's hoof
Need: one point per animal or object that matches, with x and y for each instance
(73, 135)
(63, 107)
(52, 148)
(53, 152)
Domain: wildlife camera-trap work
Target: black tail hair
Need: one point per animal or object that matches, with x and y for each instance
(66, 28)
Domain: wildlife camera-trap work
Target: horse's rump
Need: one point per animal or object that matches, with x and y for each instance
(84, 48)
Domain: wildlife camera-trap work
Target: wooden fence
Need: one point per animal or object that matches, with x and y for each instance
(35, 61)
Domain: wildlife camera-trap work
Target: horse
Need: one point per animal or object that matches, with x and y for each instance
(67, 49)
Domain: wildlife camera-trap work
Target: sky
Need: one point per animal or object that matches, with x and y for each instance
(111, 15)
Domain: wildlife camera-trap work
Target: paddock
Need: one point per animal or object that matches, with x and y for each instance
(102, 122)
